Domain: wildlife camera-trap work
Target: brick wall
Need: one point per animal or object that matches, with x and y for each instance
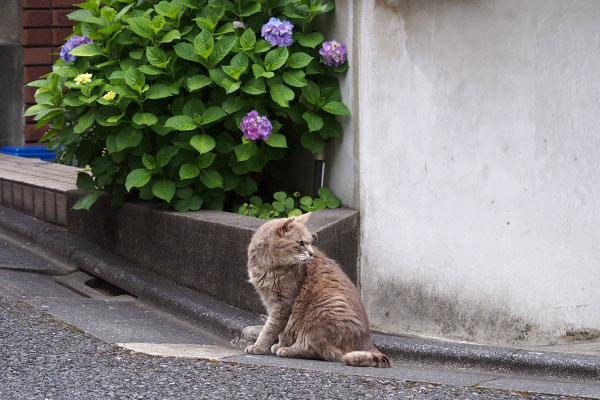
(45, 27)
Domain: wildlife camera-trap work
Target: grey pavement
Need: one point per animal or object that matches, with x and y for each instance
(42, 357)
(150, 316)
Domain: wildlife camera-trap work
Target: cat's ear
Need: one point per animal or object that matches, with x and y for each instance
(285, 226)
(303, 219)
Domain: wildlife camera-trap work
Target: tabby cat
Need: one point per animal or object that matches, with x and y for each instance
(312, 305)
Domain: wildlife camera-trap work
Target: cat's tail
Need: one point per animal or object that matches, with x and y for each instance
(371, 358)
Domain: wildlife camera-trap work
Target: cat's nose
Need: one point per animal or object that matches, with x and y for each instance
(310, 251)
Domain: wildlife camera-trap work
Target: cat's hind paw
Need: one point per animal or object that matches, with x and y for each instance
(254, 349)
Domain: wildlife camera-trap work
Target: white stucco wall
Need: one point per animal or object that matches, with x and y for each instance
(478, 182)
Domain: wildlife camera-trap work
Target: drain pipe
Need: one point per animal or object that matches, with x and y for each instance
(319, 157)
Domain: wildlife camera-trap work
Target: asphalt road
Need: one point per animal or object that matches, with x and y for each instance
(41, 357)
(71, 336)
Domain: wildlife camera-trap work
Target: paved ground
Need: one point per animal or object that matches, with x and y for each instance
(42, 357)
(70, 336)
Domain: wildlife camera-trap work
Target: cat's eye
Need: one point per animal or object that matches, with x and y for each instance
(301, 243)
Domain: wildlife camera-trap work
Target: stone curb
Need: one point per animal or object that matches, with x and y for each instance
(230, 322)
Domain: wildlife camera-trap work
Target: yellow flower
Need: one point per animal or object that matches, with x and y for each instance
(110, 95)
(83, 78)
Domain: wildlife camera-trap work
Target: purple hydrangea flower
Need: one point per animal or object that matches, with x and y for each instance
(277, 33)
(256, 127)
(334, 53)
(74, 41)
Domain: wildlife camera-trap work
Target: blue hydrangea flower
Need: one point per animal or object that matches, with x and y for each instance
(277, 32)
(74, 41)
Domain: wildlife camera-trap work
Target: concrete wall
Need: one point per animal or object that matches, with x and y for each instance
(11, 74)
(478, 185)
(341, 171)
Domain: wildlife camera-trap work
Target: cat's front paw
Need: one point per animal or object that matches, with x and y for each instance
(254, 349)
(283, 352)
(275, 347)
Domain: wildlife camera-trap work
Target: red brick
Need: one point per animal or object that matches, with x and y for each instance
(36, 3)
(34, 73)
(32, 134)
(37, 37)
(59, 18)
(36, 18)
(59, 35)
(37, 55)
(64, 3)
(29, 94)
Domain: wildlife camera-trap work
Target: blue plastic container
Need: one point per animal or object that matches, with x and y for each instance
(41, 152)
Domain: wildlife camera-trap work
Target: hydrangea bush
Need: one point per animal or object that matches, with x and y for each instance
(189, 102)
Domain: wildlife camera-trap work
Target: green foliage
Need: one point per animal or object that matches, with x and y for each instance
(289, 205)
(169, 82)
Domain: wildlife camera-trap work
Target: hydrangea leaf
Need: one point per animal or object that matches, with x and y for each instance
(181, 123)
(204, 44)
(336, 107)
(262, 46)
(170, 36)
(165, 154)
(248, 39)
(246, 187)
(245, 151)
(211, 179)
(85, 181)
(137, 178)
(196, 82)
(157, 57)
(312, 141)
(276, 59)
(186, 51)
(203, 143)
(277, 140)
(281, 94)
(149, 162)
(158, 91)
(135, 79)
(86, 50)
(311, 40)
(254, 86)
(188, 171)
(221, 49)
(311, 92)
(205, 160)
(142, 26)
(331, 128)
(87, 201)
(299, 60)
(151, 70)
(251, 9)
(295, 78)
(128, 137)
(212, 114)
(164, 189)
(314, 121)
(144, 119)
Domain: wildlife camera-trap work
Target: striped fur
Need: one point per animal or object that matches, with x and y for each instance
(313, 308)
